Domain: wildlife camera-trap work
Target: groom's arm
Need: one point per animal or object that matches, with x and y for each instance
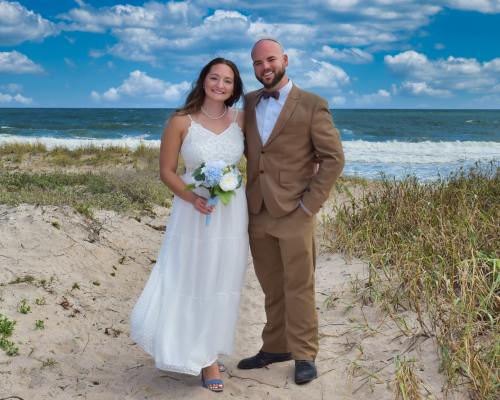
(329, 154)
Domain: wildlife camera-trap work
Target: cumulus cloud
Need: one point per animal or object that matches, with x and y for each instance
(88, 19)
(443, 76)
(485, 6)
(18, 24)
(423, 89)
(13, 99)
(17, 63)
(326, 75)
(157, 31)
(337, 101)
(379, 98)
(351, 55)
(140, 85)
(11, 87)
(291, 34)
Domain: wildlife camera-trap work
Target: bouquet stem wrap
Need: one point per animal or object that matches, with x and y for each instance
(212, 201)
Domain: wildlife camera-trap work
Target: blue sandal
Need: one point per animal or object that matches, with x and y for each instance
(206, 384)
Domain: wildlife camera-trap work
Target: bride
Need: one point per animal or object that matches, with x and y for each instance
(186, 314)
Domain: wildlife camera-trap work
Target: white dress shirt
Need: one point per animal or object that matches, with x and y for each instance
(268, 110)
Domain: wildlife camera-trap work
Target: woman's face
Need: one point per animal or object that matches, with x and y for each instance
(219, 82)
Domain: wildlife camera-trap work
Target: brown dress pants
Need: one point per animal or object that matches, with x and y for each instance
(283, 253)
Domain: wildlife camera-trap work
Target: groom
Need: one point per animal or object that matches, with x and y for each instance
(294, 156)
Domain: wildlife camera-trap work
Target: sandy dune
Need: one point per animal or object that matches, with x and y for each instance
(89, 274)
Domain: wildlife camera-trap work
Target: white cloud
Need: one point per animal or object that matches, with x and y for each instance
(485, 6)
(17, 63)
(352, 55)
(18, 24)
(423, 89)
(141, 85)
(11, 87)
(443, 76)
(338, 101)
(9, 99)
(493, 65)
(380, 97)
(137, 44)
(326, 75)
(289, 34)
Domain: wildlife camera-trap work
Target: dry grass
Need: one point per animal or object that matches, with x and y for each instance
(143, 157)
(406, 381)
(434, 248)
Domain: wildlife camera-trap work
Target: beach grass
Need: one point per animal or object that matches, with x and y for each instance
(144, 156)
(433, 248)
(118, 190)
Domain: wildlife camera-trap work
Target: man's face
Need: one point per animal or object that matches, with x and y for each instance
(269, 63)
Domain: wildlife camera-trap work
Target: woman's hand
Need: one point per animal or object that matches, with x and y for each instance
(202, 206)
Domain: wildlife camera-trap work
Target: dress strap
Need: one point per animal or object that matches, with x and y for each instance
(235, 115)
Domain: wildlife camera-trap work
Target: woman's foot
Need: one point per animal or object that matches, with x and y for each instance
(211, 379)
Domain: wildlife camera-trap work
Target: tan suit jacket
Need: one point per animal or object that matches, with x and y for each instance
(282, 171)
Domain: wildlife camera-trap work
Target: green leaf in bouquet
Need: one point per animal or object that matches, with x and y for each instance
(226, 196)
(199, 177)
(191, 186)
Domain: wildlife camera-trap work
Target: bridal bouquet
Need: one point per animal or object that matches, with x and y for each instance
(221, 181)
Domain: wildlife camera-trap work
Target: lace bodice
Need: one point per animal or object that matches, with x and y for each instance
(202, 145)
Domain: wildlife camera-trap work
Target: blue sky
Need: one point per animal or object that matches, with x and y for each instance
(354, 53)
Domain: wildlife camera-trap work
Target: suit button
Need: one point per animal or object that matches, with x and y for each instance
(262, 152)
(261, 171)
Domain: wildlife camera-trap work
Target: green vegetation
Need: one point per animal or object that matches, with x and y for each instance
(24, 307)
(433, 248)
(407, 381)
(112, 178)
(39, 324)
(6, 330)
(100, 156)
(120, 191)
(49, 362)
(40, 301)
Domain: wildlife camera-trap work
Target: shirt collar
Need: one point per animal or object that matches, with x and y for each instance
(284, 91)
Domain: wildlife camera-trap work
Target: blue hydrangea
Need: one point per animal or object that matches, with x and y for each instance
(212, 176)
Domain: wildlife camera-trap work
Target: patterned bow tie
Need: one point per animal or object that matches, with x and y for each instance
(275, 94)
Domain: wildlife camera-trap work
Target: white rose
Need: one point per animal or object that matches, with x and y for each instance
(228, 182)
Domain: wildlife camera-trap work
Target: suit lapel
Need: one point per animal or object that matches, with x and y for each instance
(252, 120)
(285, 114)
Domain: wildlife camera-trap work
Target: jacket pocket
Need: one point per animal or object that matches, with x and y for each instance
(295, 179)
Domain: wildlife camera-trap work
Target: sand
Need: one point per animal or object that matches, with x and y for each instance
(94, 271)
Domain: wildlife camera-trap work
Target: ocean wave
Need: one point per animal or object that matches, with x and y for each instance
(50, 143)
(360, 152)
(427, 152)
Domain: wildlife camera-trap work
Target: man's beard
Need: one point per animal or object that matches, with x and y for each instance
(278, 75)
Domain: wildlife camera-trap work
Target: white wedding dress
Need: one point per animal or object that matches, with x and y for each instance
(186, 315)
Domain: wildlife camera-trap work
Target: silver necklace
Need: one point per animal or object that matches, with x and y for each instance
(211, 116)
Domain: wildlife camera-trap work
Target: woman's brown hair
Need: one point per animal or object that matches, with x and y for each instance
(196, 97)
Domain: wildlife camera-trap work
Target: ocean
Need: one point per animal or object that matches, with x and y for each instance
(394, 143)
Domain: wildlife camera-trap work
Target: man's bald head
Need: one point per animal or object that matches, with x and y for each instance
(267, 42)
